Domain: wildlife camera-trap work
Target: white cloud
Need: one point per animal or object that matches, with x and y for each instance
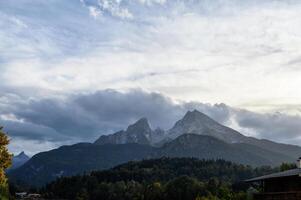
(243, 53)
(113, 7)
(238, 49)
(94, 12)
(151, 2)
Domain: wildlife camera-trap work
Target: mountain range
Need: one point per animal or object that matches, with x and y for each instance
(195, 135)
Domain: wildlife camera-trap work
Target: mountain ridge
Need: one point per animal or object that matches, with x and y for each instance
(195, 122)
(140, 132)
(195, 135)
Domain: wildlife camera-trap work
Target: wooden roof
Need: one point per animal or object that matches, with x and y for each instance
(291, 172)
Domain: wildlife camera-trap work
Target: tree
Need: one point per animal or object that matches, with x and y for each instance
(184, 188)
(287, 166)
(82, 195)
(5, 162)
(154, 191)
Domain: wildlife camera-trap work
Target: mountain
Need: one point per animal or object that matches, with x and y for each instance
(76, 159)
(199, 123)
(196, 135)
(85, 157)
(19, 160)
(139, 132)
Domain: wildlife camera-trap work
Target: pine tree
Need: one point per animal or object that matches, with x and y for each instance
(5, 162)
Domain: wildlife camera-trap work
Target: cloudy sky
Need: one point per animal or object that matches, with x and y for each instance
(72, 70)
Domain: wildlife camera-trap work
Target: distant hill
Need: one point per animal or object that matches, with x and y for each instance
(196, 135)
(76, 159)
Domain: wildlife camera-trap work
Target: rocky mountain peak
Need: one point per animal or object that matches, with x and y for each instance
(201, 124)
(139, 132)
(196, 116)
(141, 125)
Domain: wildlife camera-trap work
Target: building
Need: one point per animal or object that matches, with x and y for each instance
(25, 195)
(284, 185)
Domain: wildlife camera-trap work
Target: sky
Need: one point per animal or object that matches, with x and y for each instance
(72, 70)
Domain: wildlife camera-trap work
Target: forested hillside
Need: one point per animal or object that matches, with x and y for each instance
(155, 179)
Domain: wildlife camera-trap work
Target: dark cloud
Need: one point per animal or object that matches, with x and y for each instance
(84, 117)
(87, 116)
(30, 131)
(276, 126)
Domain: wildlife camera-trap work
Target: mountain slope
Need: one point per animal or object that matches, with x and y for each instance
(77, 159)
(291, 151)
(207, 147)
(85, 157)
(143, 174)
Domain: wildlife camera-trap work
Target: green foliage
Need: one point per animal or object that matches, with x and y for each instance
(185, 188)
(287, 166)
(159, 179)
(5, 162)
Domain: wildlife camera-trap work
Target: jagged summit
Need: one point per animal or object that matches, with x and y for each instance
(193, 122)
(140, 132)
(141, 125)
(196, 116)
(198, 123)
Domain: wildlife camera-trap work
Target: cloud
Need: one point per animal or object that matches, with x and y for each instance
(31, 147)
(86, 116)
(221, 48)
(57, 58)
(275, 126)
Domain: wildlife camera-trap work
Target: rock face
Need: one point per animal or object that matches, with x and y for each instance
(139, 132)
(199, 123)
